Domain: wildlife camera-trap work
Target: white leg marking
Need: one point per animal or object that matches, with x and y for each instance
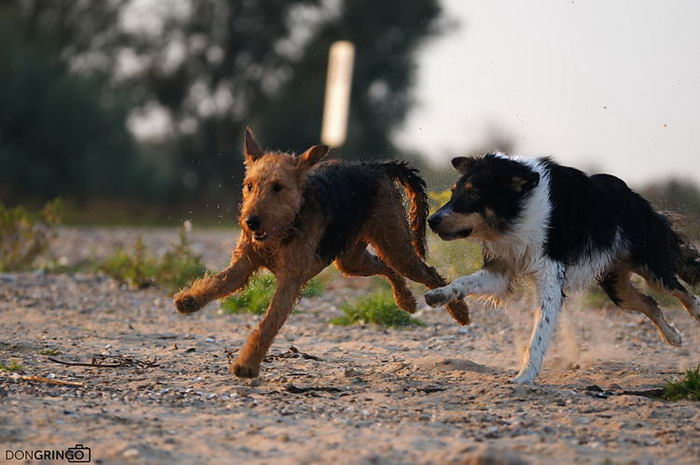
(483, 282)
(550, 284)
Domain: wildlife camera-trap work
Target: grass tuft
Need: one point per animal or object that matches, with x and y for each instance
(178, 267)
(256, 296)
(376, 308)
(25, 235)
(11, 367)
(688, 387)
(137, 269)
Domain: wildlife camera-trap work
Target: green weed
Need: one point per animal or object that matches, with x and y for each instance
(376, 308)
(137, 269)
(256, 296)
(24, 235)
(178, 267)
(11, 367)
(688, 387)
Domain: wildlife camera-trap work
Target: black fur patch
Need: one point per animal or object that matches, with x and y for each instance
(588, 212)
(344, 193)
(609, 284)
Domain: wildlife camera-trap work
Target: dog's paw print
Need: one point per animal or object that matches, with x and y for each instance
(187, 304)
(244, 371)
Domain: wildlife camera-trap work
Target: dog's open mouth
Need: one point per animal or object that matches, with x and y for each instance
(461, 234)
(260, 236)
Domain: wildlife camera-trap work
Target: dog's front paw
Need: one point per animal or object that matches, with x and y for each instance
(440, 296)
(523, 378)
(186, 304)
(243, 370)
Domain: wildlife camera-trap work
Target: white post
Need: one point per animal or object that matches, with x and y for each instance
(337, 99)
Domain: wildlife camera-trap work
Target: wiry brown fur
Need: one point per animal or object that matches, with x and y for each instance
(290, 228)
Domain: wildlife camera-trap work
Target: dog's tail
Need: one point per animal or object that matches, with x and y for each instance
(414, 185)
(689, 266)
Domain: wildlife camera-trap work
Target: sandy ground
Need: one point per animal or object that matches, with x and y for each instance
(427, 395)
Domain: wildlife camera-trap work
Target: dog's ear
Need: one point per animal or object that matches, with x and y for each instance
(312, 156)
(462, 164)
(251, 150)
(520, 182)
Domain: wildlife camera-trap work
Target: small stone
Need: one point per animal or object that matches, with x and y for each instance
(489, 455)
(131, 453)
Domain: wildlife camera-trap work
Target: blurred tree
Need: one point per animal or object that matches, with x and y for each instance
(59, 133)
(387, 36)
(207, 68)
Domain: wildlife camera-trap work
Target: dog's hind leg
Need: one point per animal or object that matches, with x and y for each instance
(690, 301)
(359, 262)
(247, 364)
(204, 290)
(670, 285)
(393, 245)
(616, 283)
(550, 291)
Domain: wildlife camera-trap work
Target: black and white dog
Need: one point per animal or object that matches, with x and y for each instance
(564, 229)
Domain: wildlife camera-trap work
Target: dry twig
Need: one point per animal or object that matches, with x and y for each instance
(117, 361)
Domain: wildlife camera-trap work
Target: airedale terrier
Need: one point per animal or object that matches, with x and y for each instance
(300, 214)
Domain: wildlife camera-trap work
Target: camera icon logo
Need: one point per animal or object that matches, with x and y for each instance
(79, 454)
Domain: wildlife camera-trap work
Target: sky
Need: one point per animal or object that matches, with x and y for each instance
(604, 85)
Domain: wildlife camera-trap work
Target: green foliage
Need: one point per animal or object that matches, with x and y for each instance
(313, 288)
(61, 135)
(139, 269)
(12, 367)
(688, 387)
(179, 266)
(256, 296)
(272, 77)
(377, 308)
(387, 42)
(25, 235)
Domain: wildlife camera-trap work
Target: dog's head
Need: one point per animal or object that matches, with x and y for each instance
(273, 188)
(486, 199)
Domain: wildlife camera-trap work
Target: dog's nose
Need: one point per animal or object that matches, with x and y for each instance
(253, 222)
(434, 221)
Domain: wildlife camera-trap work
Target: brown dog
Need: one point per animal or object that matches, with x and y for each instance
(299, 215)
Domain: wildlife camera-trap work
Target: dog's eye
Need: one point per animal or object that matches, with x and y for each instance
(249, 186)
(468, 186)
(276, 187)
